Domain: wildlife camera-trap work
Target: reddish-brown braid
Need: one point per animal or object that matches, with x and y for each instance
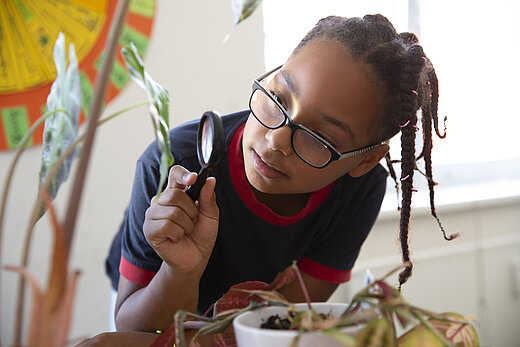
(410, 84)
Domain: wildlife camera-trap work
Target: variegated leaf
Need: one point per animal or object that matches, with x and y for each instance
(158, 105)
(61, 128)
(243, 9)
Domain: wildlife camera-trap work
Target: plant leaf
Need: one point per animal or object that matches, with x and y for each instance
(61, 129)
(461, 334)
(404, 316)
(243, 9)
(420, 336)
(343, 338)
(266, 295)
(158, 105)
(287, 276)
(377, 333)
(238, 299)
(38, 306)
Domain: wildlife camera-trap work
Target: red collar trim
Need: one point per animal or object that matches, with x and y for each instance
(238, 177)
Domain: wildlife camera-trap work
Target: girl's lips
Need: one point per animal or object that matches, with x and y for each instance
(264, 169)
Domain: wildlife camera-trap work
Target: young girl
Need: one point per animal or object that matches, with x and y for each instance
(300, 180)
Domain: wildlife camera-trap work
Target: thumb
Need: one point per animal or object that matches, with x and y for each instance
(208, 199)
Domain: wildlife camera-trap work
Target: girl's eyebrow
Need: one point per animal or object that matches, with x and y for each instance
(343, 126)
(289, 81)
(292, 87)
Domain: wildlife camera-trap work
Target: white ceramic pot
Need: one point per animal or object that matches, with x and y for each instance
(249, 334)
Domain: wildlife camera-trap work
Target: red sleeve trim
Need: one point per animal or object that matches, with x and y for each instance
(135, 274)
(322, 272)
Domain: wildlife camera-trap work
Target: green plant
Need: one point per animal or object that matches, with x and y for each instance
(52, 307)
(379, 308)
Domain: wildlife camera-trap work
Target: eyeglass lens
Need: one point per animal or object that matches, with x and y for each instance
(308, 147)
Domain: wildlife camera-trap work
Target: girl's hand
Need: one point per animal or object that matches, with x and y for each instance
(182, 232)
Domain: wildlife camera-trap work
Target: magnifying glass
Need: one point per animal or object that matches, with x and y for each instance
(210, 145)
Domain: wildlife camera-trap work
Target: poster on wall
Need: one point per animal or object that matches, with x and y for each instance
(28, 31)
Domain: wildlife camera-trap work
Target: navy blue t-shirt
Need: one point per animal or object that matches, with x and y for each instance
(253, 242)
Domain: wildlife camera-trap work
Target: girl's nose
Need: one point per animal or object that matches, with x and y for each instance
(280, 140)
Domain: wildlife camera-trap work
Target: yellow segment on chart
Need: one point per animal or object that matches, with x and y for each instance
(28, 30)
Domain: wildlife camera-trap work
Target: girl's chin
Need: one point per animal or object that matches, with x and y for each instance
(261, 184)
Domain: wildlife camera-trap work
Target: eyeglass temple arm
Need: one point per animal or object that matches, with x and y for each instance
(359, 151)
(268, 73)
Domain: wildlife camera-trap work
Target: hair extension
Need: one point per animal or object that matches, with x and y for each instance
(429, 115)
(411, 84)
(391, 170)
(409, 102)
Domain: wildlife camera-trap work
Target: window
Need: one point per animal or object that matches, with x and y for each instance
(474, 46)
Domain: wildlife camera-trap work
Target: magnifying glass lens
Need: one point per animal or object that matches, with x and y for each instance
(210, 144)
(207, 141)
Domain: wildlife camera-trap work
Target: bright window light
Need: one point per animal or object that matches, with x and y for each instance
(474, 46)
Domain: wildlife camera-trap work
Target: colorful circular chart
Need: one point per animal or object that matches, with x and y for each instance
(28, 31)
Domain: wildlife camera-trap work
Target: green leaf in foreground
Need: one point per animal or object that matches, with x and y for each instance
(158, 105)
(61, 129)
(243, 9)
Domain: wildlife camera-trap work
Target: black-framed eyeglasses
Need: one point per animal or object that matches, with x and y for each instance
(309, 146)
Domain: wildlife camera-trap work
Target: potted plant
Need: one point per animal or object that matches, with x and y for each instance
(245, 305)
(272, 326)
(378, 315)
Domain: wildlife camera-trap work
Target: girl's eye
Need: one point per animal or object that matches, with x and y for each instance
(276, 97)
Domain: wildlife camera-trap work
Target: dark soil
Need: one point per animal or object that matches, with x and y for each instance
(276, 322)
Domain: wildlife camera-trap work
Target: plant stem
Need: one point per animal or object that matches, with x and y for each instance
(223, 323)
(437, 316)
(430, 327)
(19, 150)
(302, 285)
(34, 218)
(7, 182)
(100, 87)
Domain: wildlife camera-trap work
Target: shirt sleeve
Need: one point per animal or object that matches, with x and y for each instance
(139, 261)
(336, 249)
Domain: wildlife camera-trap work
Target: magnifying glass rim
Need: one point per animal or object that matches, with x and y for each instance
(215, 124)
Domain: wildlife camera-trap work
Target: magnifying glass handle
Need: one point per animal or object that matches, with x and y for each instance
(194, 190)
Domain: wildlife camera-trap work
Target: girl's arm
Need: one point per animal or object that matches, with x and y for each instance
(135, 339)
(183, 234)
(319, 290)
(153, 307)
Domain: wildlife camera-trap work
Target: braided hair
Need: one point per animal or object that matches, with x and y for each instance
(410, 81)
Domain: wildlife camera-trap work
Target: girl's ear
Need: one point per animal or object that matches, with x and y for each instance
(370, 160)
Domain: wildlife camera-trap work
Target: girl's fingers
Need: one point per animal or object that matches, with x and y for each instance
(173, 214)
(176, 198)
(180, 177)
(164, 230)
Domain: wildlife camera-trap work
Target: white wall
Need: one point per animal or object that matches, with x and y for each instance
(472, 275)
(476, 274)
(187, 56)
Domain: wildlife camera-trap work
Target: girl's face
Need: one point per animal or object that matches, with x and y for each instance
(326, 91)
